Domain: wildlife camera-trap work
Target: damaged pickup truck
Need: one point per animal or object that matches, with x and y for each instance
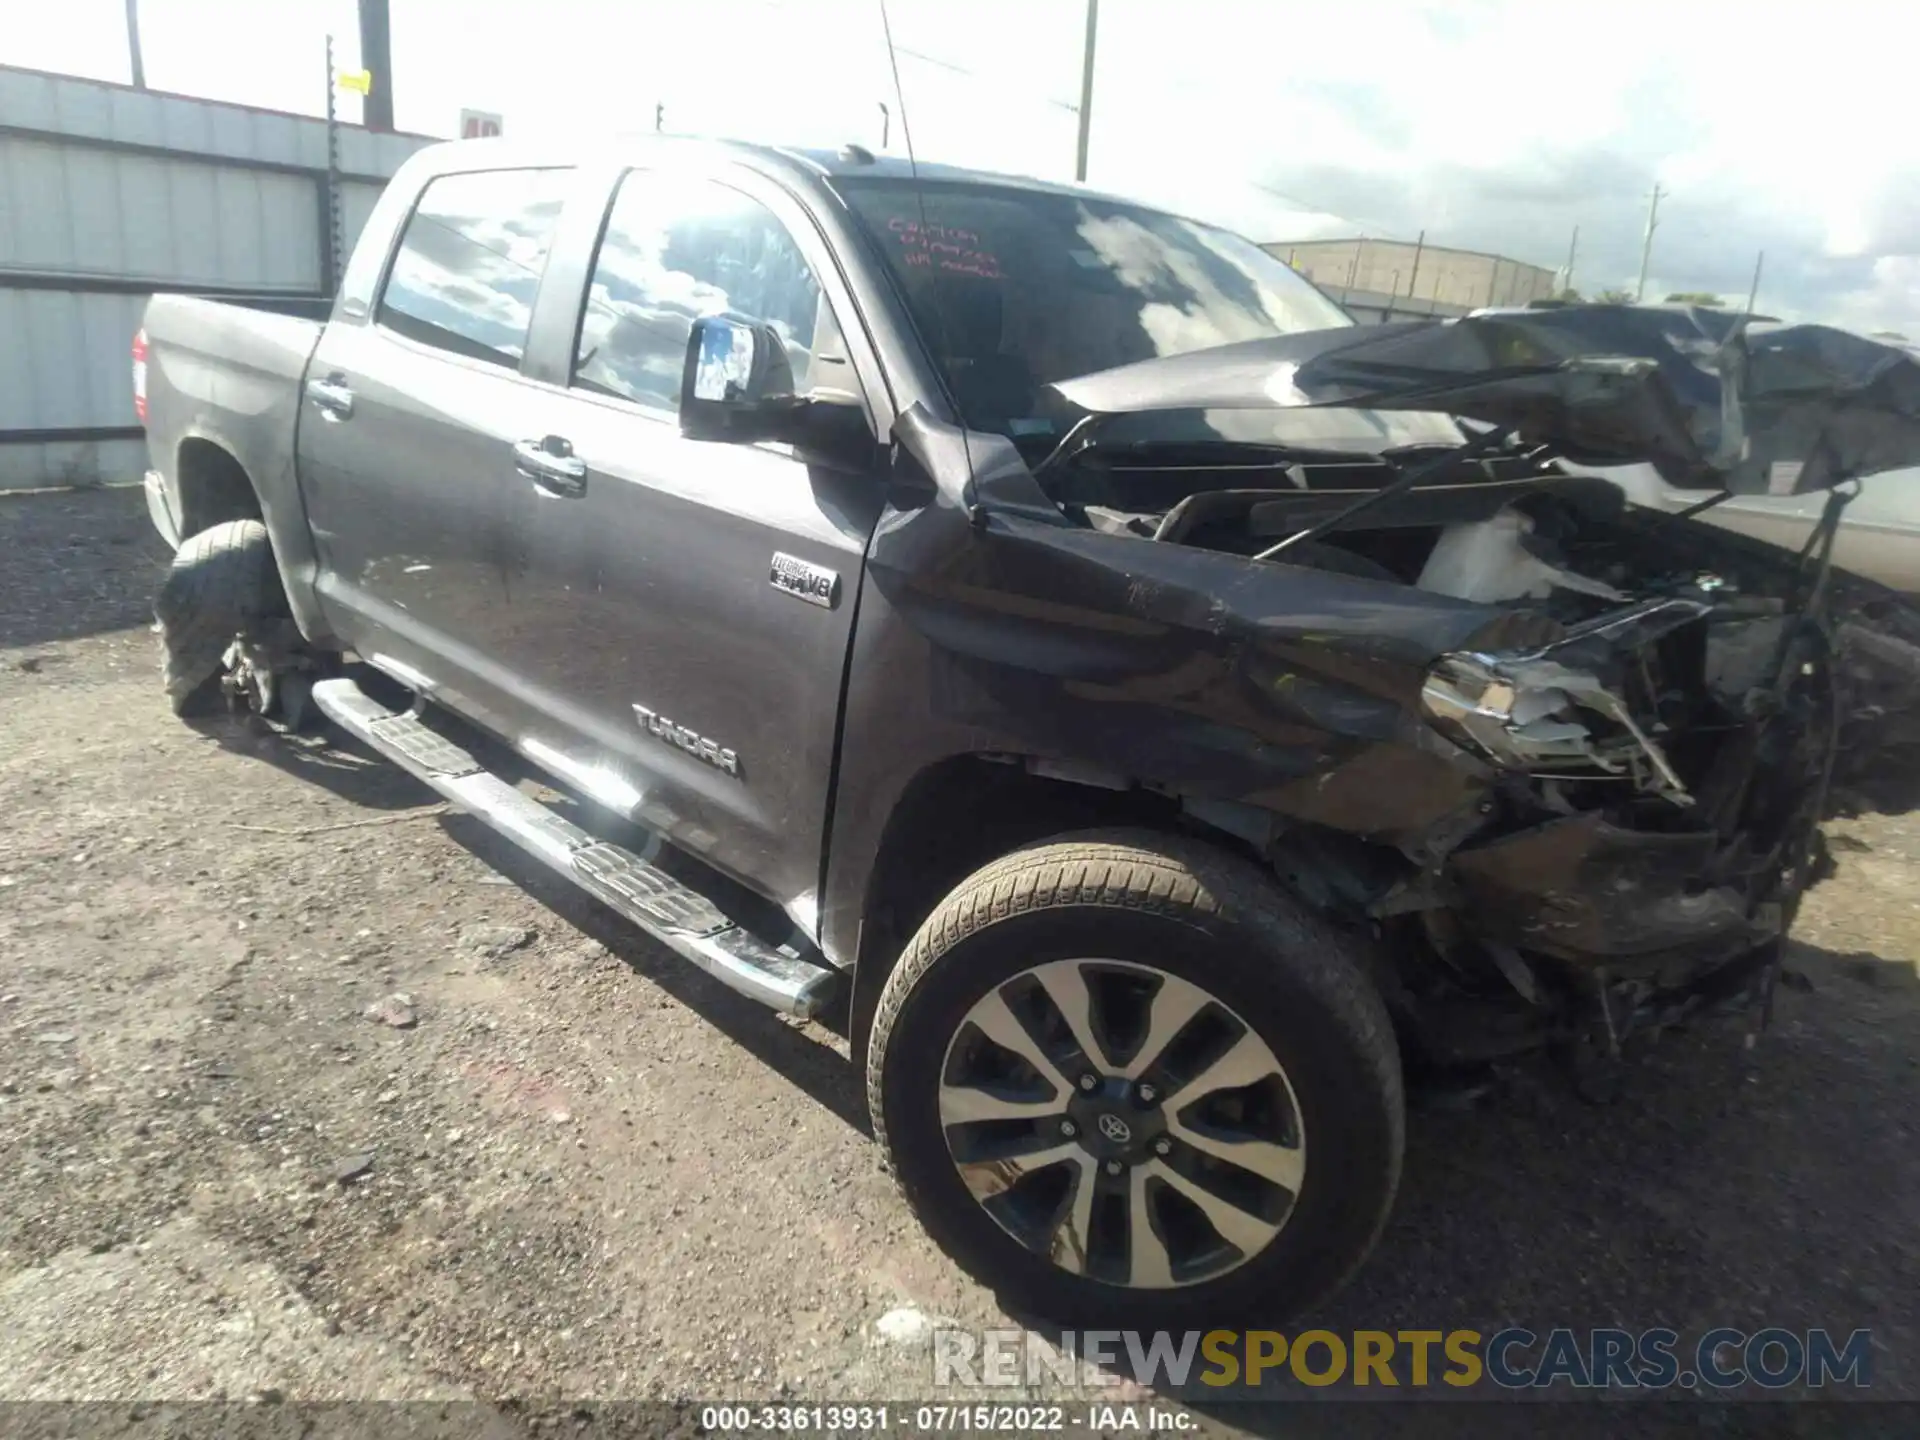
(1044, 636)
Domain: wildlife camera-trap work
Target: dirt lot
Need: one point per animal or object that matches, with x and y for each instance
(585, 1170)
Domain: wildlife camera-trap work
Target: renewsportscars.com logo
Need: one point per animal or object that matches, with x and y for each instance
(1512, 1359)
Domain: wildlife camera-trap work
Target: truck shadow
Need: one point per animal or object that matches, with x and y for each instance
(330, 759)
(804, 1060)
(339, 764)
(1727, 1186)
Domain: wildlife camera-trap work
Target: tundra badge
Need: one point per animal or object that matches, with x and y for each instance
(691, 741)
(803, 580)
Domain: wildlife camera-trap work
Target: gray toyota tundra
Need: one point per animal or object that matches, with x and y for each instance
(1047, 638)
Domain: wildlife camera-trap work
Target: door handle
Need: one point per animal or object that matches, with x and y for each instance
(332, 397)
(552, 466)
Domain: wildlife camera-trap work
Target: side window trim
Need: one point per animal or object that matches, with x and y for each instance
(364, 276)
(668, 414)
(448, 342)
(569, 380)
(560, 306)
(729, 182)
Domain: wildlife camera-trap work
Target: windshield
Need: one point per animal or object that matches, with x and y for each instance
(1015, 289)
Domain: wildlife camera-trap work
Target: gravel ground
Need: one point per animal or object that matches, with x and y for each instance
(556, 1162)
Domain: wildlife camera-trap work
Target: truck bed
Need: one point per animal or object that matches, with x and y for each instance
(225, 372)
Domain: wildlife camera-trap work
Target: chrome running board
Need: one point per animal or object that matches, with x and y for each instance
(675, 914)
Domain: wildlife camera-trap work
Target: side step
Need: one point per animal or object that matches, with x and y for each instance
(680, 917)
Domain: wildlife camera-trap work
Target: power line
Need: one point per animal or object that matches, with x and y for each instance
(948, 65)
(1290, 199)
(936, 60)
(1071, 109)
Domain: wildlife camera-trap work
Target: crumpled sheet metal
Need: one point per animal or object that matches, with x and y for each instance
(1706, 397)
(1586, 890)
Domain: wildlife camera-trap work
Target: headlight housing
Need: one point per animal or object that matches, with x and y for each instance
(1532, 714)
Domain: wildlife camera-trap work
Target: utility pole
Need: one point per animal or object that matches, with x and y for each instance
(886, 124)
(659, 117)
(1573, 249)
(1419, 248)
(1086, 92)
(376, 58)
(1754, 293)
(133, 45)
(1646, 244)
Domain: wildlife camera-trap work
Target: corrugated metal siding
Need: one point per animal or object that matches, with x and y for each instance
(356, 205)
(66, 362)
(1455, 280)
(71, 462)
(90, 109)
(70, 209)
(85, 192)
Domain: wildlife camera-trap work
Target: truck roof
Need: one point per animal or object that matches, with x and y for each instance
(857, 160)
(813, 162)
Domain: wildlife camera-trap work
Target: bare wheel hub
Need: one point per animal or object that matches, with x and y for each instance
(257, 667)
(1122, 1122)
(247, 678)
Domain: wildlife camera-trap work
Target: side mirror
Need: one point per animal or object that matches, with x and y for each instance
(737, 385)
(737, 388)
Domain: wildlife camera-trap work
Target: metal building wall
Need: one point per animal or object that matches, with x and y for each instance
(107, 194)
(1381, 279)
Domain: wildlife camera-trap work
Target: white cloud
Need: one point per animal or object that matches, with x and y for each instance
(1496, 124)
(1889, 301)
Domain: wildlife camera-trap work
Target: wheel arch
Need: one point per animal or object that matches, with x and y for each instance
(961, 812)
(214, 487)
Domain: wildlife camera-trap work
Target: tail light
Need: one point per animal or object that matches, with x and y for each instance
(140, 374)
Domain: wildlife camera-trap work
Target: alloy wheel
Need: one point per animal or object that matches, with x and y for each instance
(1122, 1122)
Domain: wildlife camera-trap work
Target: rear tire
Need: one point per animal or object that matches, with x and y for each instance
(1137, 929)
(223, 586)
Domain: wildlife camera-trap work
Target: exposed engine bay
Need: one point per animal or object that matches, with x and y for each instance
(1660, 706)
(1662, 712)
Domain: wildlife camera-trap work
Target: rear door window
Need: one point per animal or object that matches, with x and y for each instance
(470, 260)
(676, 248)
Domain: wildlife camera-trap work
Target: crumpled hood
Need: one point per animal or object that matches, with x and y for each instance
(1708, 398)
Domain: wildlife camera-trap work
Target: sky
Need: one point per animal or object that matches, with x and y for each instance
(1785, 128)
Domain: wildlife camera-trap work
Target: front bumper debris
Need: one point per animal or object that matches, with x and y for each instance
(1587, 891)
